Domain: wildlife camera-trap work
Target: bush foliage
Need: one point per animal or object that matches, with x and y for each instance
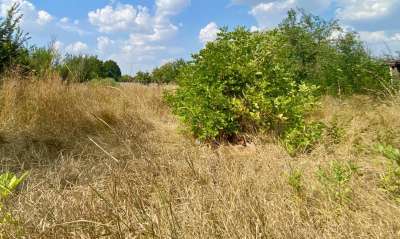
(270, 80)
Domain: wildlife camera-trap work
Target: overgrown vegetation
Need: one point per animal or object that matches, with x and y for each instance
(41, 61)
(270, 80)
(391, 178)
(165, 74)
(111, 162)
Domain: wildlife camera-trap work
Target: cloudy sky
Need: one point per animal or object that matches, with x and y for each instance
(141, 34)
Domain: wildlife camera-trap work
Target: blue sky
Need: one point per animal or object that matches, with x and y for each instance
(142, 34)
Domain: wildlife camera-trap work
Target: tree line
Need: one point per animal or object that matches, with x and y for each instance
(16, 53)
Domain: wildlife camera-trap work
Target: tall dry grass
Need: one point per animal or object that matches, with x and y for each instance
(123, 169)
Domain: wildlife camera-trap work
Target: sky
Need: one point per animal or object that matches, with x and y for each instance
(143, 34)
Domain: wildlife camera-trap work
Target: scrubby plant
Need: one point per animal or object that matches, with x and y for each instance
(335, 180)
(242, 82)
(8, 184)
(302, 139)
(295, 181)
(390, 181)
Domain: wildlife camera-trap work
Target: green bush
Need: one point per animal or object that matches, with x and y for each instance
(127, 78)
(143, 78)
(243, 82)
(302, 139)
(80, 68)
(168, 72)
(270, 80)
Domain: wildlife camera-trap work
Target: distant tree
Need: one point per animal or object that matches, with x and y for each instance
(81, 68)
(127, 78)
(143, 77)
(111, 69)
(43, 60)
(12, 40)
(168, 72)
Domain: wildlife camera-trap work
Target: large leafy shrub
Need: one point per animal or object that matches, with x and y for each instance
(241, 82)
(270, 80)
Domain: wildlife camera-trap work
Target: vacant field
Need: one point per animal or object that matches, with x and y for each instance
(112, 162)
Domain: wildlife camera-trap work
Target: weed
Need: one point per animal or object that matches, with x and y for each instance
(390, 181)
(303, 139)
(295, 180)
(335, 180)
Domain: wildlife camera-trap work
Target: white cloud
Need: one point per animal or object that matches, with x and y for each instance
(64, 20)
(209, 33)
(103, 44)
(43, 17)
(77, 48)
(353, 10)
(136, 36)
(57, 45)
(26, 8)
(171, 7)
(68, 26)
(122, 18)
(270, 14)
(380, 37)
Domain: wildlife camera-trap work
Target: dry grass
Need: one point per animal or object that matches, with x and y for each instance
(139, 177)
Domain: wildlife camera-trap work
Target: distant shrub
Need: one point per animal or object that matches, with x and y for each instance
(80, 68)
(110, 69)
(85, 68)
(104, 82)
(143, 78)
(168, 72)
(43, 60)
(127, 78)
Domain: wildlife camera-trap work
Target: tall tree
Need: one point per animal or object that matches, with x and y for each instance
(111, 69)
(12, 39)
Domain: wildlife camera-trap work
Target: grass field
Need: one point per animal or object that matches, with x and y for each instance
(113, 162)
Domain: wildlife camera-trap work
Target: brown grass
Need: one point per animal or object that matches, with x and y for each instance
(113, 163)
